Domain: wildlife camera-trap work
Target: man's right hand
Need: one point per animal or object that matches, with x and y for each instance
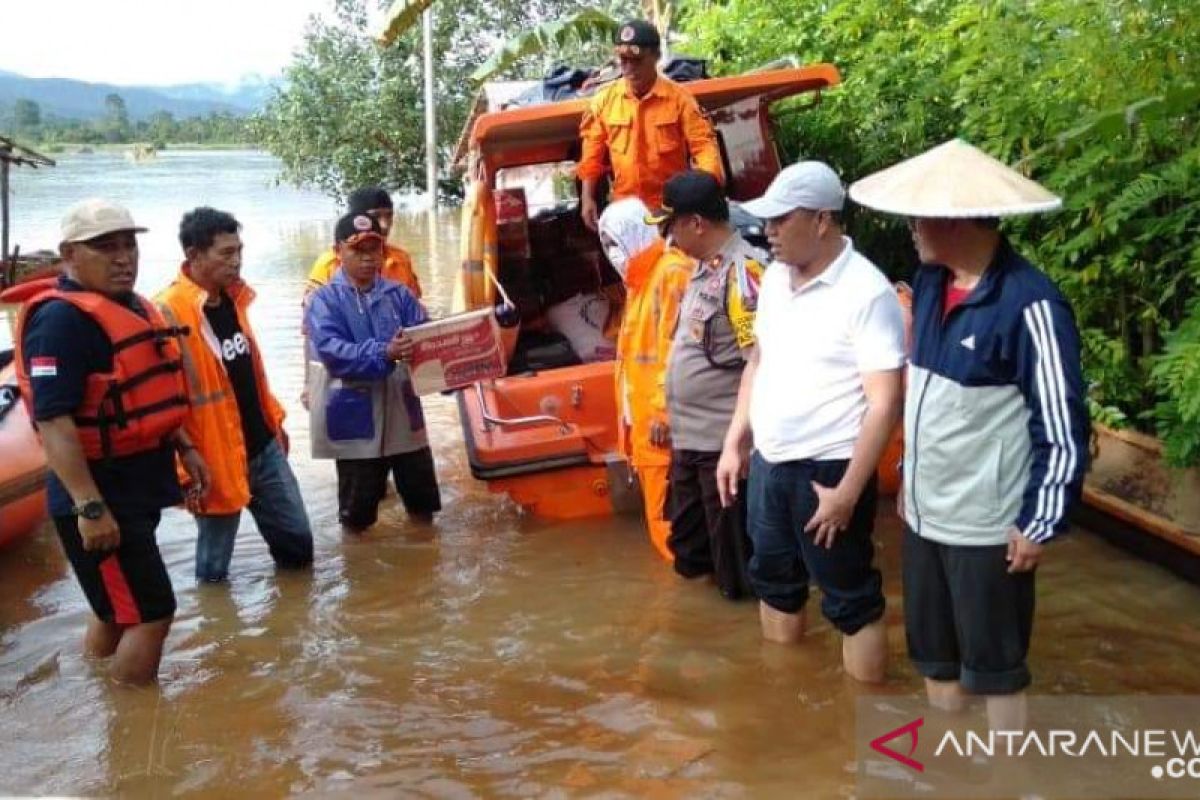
(400, 347)
(100, 534)
(587, 210)
(660, 434)
(729, 473)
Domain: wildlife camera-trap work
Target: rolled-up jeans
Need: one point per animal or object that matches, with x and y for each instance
(278, 510)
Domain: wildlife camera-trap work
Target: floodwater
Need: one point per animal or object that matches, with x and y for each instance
(492, 656)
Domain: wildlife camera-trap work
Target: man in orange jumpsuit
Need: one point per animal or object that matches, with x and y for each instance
(656, 275)
(643, 126)
(375, 202)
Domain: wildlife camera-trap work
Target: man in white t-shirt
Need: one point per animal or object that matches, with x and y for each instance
(821, 394)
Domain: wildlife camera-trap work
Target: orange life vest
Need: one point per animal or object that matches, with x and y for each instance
(214, 424)
(135, 406)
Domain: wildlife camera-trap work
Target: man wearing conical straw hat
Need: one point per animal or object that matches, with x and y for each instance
(995, 424)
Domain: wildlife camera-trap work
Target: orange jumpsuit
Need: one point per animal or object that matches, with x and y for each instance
(397, 266)
(656, 281)
(646, 140)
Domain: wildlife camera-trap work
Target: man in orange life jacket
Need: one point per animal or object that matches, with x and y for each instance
(100, 371)
(235, 420)
(643, 127)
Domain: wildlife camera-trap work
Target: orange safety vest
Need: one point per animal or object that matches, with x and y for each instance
(143, 399)
(645, 140)
(397, 266)
(656, 280)
(215, 424)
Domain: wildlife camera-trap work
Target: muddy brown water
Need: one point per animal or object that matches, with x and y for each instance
(493, 655)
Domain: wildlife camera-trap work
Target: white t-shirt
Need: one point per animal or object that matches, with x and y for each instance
(813, 346)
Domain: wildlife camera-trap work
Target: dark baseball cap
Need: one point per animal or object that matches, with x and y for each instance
(692, 192)
(635, 34)
(357, 227)
(368, 198)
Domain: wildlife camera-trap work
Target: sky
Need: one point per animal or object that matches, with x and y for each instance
(153, 42)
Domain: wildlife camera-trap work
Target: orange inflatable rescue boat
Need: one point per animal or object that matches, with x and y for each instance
(22, 463)
(546, 433)
(22, 460)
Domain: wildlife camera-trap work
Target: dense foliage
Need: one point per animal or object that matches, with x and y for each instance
(27, 123)
(352, 113)
(1096, 100)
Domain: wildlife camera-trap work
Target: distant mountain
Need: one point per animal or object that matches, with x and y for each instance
(251, 92)
(71, 99)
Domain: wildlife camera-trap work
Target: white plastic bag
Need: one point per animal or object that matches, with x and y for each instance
(581, 320)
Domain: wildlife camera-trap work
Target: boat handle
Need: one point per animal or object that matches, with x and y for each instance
(490, 419)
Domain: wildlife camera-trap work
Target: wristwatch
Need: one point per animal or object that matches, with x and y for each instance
(89, 509)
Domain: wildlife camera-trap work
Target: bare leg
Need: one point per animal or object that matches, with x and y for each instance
(780, 626)
(864, 654)
(139, 652)
(945, 695)
(101, 638)
(1006, 712)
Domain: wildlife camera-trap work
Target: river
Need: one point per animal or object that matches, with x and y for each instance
(496, 656)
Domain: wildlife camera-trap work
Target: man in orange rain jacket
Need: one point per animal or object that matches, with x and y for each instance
(373, 201)
(656, 276)
(643, 126)
(235, 421)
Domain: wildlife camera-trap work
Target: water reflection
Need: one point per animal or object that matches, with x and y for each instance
(491, 656)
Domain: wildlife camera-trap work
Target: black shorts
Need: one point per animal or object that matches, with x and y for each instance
(362, 483)
(965, 617)
(786, 557)
(126, 586)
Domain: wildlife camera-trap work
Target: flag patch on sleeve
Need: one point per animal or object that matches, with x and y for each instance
(43, 367)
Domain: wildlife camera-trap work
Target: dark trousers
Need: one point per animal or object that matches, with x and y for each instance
(966, 617)
(786, 557)
(706, 538)
(362, 483)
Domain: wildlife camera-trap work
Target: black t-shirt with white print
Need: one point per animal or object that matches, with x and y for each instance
(239, 364)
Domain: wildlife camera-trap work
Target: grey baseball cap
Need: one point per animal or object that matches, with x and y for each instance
(96, 217)
(811, 185)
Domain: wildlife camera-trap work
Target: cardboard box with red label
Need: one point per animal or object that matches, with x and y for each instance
(456, 351)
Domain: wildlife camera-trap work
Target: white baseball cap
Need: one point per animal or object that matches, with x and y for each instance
(95, 217)
(810, 185)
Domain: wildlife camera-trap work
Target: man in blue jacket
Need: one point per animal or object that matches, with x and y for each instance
(363, 410)
(995, 424)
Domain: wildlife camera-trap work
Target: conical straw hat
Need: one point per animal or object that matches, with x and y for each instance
(952, 180)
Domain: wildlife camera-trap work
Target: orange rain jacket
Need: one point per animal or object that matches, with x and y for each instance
(656, 281)
(397, 266)
(646, 140)
(214, 424)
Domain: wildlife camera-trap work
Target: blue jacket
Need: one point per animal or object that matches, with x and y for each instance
(361, 404)
(349, 331)
(995, 420)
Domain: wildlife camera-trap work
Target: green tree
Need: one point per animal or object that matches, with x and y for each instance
(116, 119)
(27, 117)
(1098, 101)
(352, 112)
(161, 128)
